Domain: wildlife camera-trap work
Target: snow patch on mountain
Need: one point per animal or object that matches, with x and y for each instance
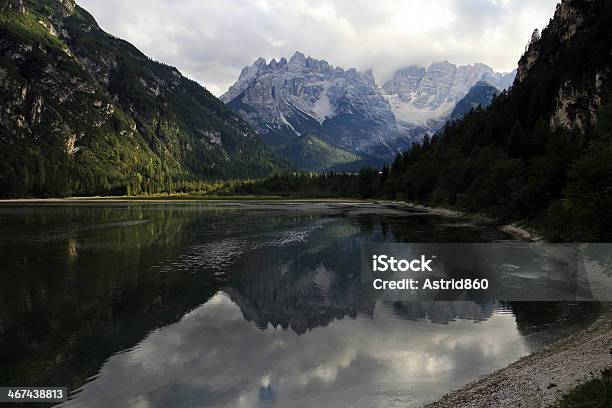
(289, 125)
(407, 112)
(285, 100)
(323, 108)
(425, 96)
(304, 95)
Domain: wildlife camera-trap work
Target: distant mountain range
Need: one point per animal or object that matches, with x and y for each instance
(82, 112)
(423, 98)
(288, 99)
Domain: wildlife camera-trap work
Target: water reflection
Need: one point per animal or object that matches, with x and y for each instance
(213, 357)
(241, 305)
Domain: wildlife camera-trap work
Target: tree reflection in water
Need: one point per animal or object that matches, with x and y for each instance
(151, 292)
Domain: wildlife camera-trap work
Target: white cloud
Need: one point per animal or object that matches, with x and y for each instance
(212, 40)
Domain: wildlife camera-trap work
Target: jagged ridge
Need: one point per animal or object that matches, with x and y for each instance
(424, 97)
(286, 100)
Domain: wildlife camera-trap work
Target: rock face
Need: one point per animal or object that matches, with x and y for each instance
(481, 94)
(83, 112)
(423, 98)
(583, 86)
(285, 100)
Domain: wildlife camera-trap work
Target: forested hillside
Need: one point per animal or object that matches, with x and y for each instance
(541, 152)
(83, 112)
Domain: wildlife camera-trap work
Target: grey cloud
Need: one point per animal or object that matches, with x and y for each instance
(212, 40)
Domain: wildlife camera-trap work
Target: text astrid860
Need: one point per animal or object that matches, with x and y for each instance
(431, 284)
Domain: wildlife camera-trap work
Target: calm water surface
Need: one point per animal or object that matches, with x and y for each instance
(241, 305)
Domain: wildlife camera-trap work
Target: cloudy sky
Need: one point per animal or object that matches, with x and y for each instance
(212, 40)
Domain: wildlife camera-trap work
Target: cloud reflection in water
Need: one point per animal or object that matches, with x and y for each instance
(213, 357)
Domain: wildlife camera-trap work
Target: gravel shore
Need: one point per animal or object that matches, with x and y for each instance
(541, 379)
(521, 233)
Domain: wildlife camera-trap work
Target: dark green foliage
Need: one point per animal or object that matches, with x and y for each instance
(559, 179)
(86, 113)
(368, 182)
(595, 393)
(585, 212)
(297, 184)
(311, 153)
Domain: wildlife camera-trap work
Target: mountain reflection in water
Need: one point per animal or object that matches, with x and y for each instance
(242, 305)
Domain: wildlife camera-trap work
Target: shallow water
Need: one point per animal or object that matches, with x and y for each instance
(242, 305)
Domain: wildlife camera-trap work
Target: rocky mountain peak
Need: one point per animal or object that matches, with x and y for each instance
(259, 62)
(298, 59)
(481, 83)
(288, 100)
(275, 65)
(425, 96)
(481, 94)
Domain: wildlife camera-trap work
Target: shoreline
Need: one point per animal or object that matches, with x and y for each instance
(514, 229)
(542, 378)
(521, 233)
(170, 199)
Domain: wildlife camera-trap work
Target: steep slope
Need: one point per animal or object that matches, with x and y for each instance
(310, 152)
(481, 94)
(542, 151)
(568, 68)
(285, 100)
(83, 112)
(422, 98)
